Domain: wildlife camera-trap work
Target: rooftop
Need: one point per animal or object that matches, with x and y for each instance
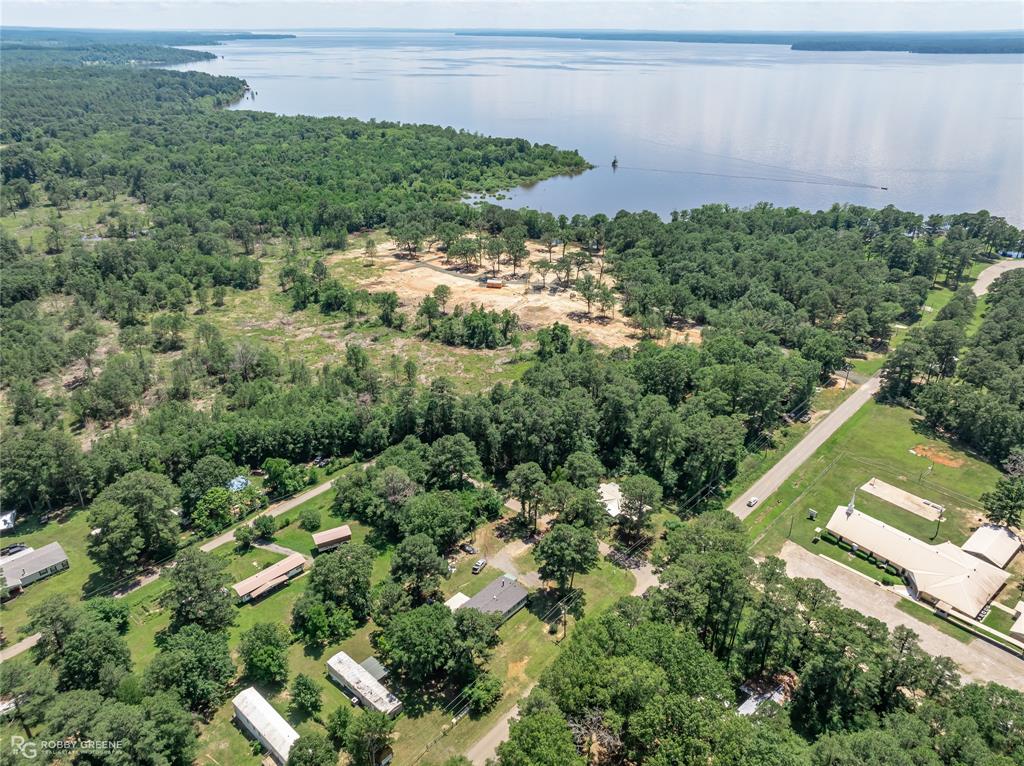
(276, 732)
(498, 597)
(942, 572)
(273, 575)
(374, 667)
(611, 496)
(360, 680)
(30, 561)
(456, 601)
(995, 544)
(329, 536)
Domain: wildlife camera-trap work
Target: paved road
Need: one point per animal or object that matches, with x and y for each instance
(274, 510)
(989, 275)
(778, 473)
(978, 660)
(796, 457)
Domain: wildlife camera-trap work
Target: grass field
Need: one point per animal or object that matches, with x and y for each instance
(79, 219)
(877, 441)
(926, 615)
(527, 648)
(757, 463)
(266, 314)
(80, 578)
(999, 620)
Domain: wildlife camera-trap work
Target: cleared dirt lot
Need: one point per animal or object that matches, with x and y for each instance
(536, 305)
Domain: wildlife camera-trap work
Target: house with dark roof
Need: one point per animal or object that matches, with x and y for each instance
(504, 596)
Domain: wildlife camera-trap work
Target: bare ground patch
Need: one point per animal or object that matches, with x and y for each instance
(537, 303)
(939, 455)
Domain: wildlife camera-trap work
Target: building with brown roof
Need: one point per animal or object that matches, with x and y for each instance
(330, 539)
(272, 577)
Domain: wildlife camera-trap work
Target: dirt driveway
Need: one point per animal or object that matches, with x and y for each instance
(978, 660)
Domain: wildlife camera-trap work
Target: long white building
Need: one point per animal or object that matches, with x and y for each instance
(258, 717)
(360, 683)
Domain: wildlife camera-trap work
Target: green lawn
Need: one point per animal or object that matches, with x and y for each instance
(754, 465)
(526, 649)
(249, 563)
(926, 615)
(999, 620)
(81, 577)
(464, 581)
(877, 441)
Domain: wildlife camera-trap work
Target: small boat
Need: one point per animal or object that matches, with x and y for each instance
(615, 163)
(884, 188)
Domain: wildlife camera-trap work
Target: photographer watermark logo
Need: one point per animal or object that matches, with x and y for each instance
(32, 748)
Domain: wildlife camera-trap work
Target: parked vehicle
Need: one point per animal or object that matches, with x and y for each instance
(467, 548)
(752, 502)
(478, 567)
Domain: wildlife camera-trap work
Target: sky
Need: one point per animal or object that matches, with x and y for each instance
(789, 15)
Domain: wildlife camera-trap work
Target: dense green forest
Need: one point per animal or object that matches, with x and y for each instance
(194, 195)
(972, 387)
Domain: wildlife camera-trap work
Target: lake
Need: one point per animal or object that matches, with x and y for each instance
(689, 123)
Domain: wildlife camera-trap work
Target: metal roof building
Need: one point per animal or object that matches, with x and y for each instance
(29, 565)
(504, 596)
(356, 679)
(611, 496)
(941, 574)
(997, 545)
(274, 575)
(260, 719)
(456, 601)
(330, 539)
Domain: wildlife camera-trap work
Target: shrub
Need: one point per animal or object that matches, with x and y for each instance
(309, 519)
(484, 693)
(265, 526)
(244, 535)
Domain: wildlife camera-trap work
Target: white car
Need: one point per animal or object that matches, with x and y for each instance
(752, 502)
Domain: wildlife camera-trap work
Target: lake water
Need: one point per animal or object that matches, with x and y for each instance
(689, 123)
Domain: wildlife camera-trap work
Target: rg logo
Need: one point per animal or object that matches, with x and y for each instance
(26, 747)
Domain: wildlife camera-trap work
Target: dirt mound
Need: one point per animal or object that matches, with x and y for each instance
(938, 455)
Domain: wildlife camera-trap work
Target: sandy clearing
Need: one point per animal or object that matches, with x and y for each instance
(536, 305)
